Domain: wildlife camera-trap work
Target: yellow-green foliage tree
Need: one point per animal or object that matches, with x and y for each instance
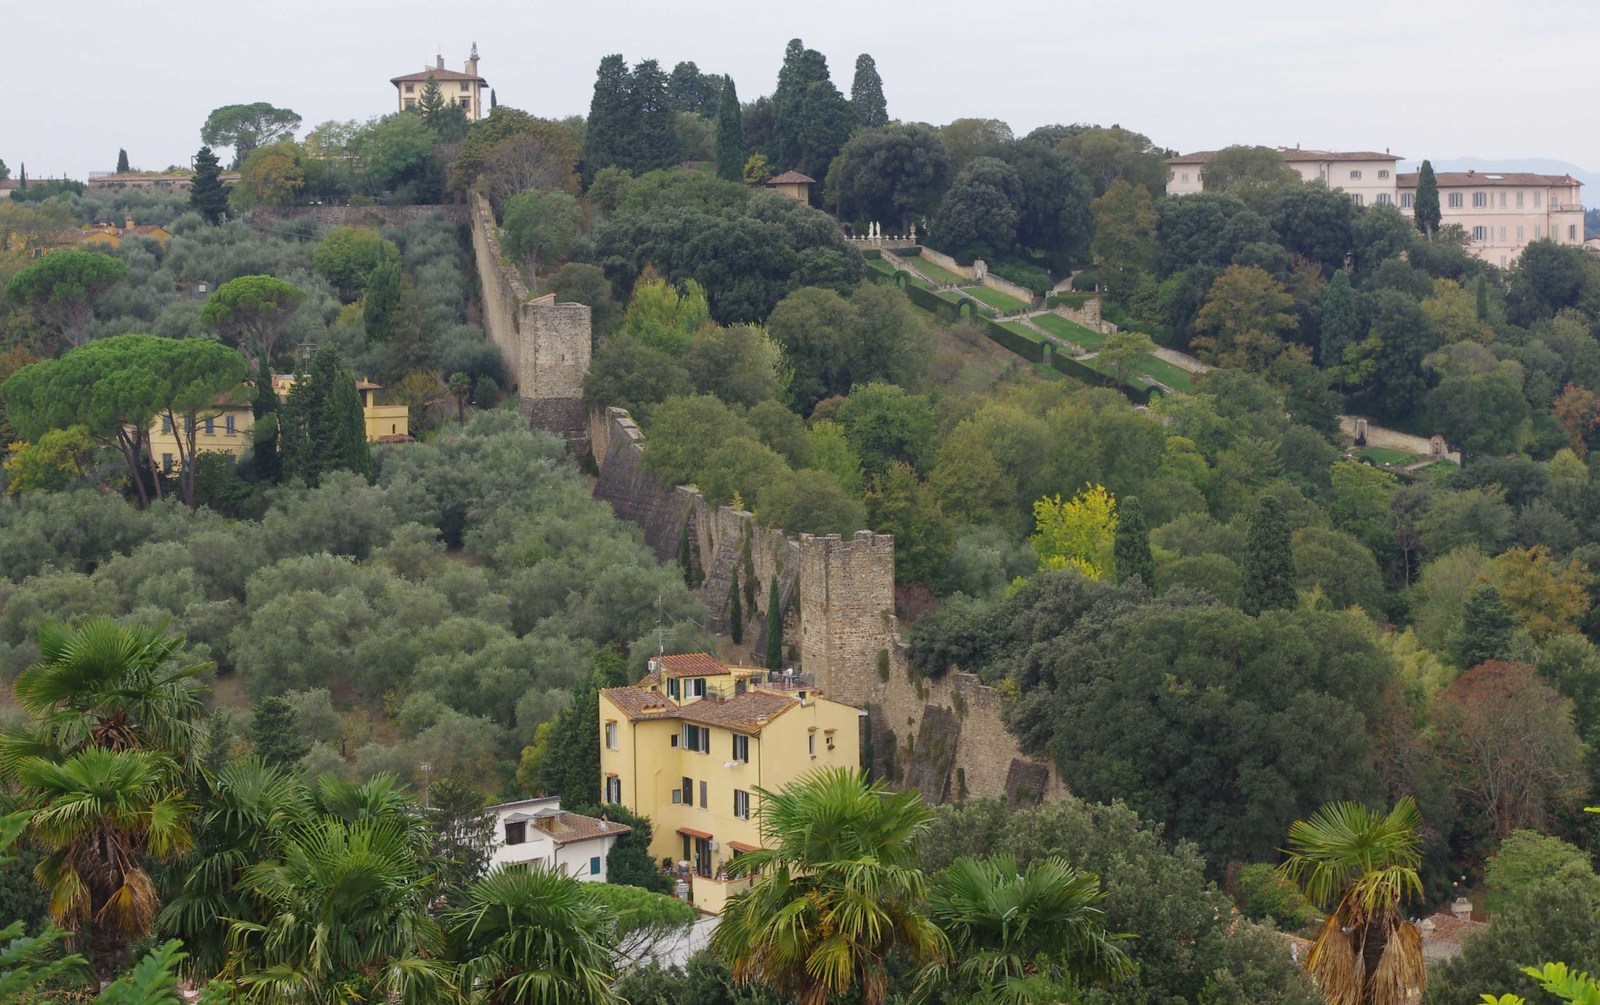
(662, 318)
(51, 464)
(1546, 596)
(1078, 533)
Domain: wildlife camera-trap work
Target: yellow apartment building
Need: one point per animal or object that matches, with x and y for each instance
(690, 745)
(228, 425)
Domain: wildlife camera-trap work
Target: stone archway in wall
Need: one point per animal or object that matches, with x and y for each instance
(964, 309)
(902, 278)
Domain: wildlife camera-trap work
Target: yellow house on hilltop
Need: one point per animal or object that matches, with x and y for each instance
(227, 426)
(690, 744)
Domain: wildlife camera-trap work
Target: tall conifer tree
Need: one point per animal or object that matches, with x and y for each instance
(611, 117)
(1268, 561)
(1426, 207)
(122, 162)
(774, 629)
(866, 94)
(1132, 550)
(1486, 628)
(207, 195)
(730, 134)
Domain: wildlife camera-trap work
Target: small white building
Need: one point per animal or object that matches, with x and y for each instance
(539, 831)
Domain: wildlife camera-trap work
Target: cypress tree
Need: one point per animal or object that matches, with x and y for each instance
(1132, 550)
(866, 94)
(493, 104)
(122, 162)
(323, 427)
(735, 611)
(275, 730)
(345, 425)
(654, 143)
(1268, 562)
(207, 196)
(774, 629)
(730, 134)
(611, 118)
(1341, 320)
(1426, 207)
(1486, 627)
(266, 430)
(1483, 300)
(382, 301)
(22, 180)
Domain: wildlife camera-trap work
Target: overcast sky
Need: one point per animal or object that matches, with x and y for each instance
(1425, 78)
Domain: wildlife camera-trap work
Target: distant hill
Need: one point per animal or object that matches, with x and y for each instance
(1537, 165)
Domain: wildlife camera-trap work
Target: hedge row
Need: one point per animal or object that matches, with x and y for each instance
(1029, 349)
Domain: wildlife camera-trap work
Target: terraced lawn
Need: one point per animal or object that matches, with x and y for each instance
(1175, 377)
(879, 265)
(1060, 327)
(1018, 328)
(994, 298)
(938, 273)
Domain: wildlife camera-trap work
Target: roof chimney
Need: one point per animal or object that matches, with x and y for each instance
(472, 61)
(439, 61)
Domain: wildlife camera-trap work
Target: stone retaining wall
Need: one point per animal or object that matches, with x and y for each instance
(357, 216)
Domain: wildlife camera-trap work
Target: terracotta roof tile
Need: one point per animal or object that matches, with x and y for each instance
(1487, 179)
(566, 828)
(745, 713)
(689, 665)
(792, 177)
(1294, 155)
(436, 74)
(639, 703)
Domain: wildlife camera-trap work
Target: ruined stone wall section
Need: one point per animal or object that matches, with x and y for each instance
(838, 599)
(545, 345)
(986, 756)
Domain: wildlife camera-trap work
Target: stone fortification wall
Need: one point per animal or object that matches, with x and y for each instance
(545, 345)
(1088, 315)
(357, 216)
(946, 738)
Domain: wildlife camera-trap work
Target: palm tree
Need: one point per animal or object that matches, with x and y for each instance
(1360, 866)
(99, 815)
(341, 901)
(840, 891)
(111, 686)
(1020, 939)
(533, 937)
(249, 809)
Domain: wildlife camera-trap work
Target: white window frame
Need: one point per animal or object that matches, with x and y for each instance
(741, 804)
(1383, 173)
(1406, 200)
(1480, 200)
(1454, 200)
(1355, 174)
(611, 736)
(741, 748)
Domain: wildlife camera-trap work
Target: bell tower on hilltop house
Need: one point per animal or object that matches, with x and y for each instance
(463, 88)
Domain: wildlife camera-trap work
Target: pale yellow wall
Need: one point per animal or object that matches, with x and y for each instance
(164, 443)
(1511, 217)
(387, 420)
(651, 769)
(794, 190)
(450, 90)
